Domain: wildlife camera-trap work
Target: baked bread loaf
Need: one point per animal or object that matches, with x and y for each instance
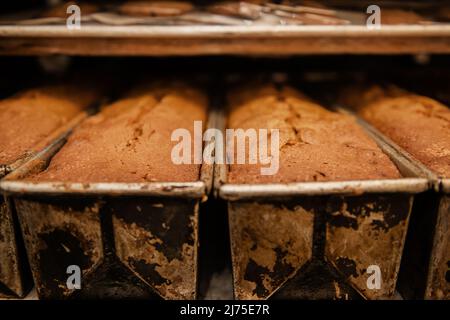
(155, 8)
(246, 10)
(314, 144)
(60, 10)
(130, 140)
(30, 116)
(418, 124)
(398, 16)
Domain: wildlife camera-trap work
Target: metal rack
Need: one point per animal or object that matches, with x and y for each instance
(98, 40)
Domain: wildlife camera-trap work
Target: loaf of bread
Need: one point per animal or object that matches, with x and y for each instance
(60, 10)
(418, 124)
(29, 117)
(314, 144)
(130, 140)
(246, 10)
(398, 16)
(155, 8)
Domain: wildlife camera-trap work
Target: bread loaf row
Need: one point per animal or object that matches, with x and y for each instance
(130, 139)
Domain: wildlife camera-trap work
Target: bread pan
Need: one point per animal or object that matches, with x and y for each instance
(14, 274)
(122, 240)
(424, 273)
(438, 276)
(320, 240)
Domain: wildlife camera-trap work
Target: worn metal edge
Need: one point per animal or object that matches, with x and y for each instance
(241, 31)
(234, 268)
(6, 169)
(355, 187)
(445, 185)
(207, 170)
(190, 189)
(433, 265)
(220, 170)
(32, 295)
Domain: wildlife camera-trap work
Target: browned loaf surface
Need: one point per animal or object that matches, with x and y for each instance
(397, 16)
(315, 144)
(418, 124)
(130, 140)
(60, 10)
(32, 115)
(155, 8)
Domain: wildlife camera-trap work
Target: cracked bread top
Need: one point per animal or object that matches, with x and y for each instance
(30, 116)
(130, 140)
(418, 124)
(315, 144)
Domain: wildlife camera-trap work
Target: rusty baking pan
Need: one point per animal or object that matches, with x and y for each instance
(109, 240)
(14, 275)
(320, 240)
(438, 279)
(425, 267)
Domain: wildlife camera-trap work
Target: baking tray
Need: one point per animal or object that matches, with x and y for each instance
(438, 280)
(129, 240)
(430, 269)
(14, 278)
(319, 240)
(270, 40)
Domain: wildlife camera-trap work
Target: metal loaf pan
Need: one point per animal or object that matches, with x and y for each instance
(427, 253)
(129, 240)
(429, 233)
(14, 274)
(320, 240)
(438, 278)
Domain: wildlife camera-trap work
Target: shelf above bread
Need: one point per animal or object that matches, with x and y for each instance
(100, 40)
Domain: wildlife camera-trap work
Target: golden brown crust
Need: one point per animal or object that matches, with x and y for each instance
(60, 11)
(236, 8)
(418, 124)
(315, 144)
(32, 115)
(397, 16)
(130, 140)
(155, 8)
